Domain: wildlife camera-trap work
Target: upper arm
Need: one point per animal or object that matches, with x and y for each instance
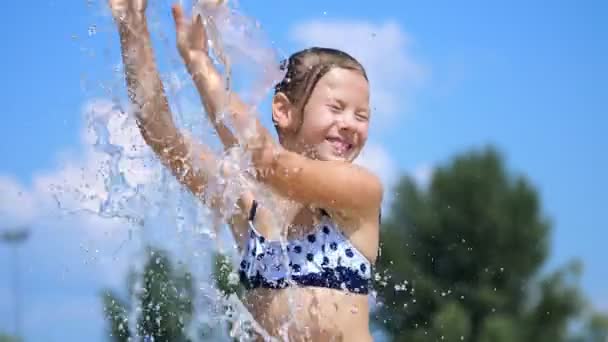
(190, 162)
(193, 164)
(330, 184)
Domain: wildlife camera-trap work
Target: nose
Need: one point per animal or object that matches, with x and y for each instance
(346, 121)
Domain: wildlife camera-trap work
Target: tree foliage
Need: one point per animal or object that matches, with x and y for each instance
(460, 259)
(163, 307)
(8, 338)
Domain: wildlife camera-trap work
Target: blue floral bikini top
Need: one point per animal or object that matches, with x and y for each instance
(324, 258)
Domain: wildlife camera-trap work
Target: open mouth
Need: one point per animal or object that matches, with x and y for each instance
(341, 147)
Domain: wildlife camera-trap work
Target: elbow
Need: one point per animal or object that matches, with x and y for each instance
(375, 192)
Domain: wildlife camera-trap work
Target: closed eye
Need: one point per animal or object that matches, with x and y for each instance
(362, 116)
(335, 108)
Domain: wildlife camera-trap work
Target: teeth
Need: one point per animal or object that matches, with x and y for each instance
(339, 145)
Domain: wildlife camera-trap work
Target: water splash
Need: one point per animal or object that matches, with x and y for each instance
(124, 180)
(240, 46)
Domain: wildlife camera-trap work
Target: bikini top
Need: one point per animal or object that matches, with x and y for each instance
(324, 258)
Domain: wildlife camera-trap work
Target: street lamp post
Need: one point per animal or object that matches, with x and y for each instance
(15, 237)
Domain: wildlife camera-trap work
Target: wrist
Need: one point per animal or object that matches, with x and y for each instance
(199, 65)
(196, 64)
(204, 73)
(134, 24)
(277, 162)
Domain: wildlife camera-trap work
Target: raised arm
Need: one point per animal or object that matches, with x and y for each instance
(150, 104)
(192, 45)
(335, 185)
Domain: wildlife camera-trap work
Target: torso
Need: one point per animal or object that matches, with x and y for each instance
(310, 314)
(313, 313)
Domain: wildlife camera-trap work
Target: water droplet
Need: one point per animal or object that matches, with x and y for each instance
(233, 279)
(92, 30)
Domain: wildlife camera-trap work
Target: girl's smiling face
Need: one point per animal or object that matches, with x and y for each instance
(334, 123)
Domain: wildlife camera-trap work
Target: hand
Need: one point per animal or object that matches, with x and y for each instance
(191, 36)
(264, 154)
(128, 11)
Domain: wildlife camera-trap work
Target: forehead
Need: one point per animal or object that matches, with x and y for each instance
(343, 84)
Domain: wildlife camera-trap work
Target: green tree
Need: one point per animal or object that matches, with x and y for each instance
(164, 304)
(8, 338)
(460, 259)
(598, 328)
(595, 329)
(165, 301)
(225, 276)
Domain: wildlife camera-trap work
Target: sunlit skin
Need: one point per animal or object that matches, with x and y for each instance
(333, 126)
(310, 168)
(334, 123)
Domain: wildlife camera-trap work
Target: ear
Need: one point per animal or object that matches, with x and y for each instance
(282, 112)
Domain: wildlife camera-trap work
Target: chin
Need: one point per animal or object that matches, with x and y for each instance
(327, 153)
(349, 158)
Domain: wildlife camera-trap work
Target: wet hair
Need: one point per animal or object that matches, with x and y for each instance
(306, 67)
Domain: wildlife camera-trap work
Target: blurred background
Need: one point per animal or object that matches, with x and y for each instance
(487, 132)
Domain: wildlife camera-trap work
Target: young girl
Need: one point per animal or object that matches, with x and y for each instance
(315, 286)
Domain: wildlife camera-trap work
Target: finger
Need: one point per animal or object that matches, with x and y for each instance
(198, 36)
(178, 17)
(181, 29)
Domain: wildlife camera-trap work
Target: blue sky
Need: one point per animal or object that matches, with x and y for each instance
(529, 78)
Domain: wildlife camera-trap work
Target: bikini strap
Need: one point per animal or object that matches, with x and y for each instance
(254, 207)
(324, 212)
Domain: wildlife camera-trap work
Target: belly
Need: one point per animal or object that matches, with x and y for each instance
(311, 314)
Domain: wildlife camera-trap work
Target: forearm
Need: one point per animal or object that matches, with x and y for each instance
(217, 98)
(191, 163)
(145, 88)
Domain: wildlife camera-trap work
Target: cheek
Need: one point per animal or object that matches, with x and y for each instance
(363, 131)
(315, 126)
